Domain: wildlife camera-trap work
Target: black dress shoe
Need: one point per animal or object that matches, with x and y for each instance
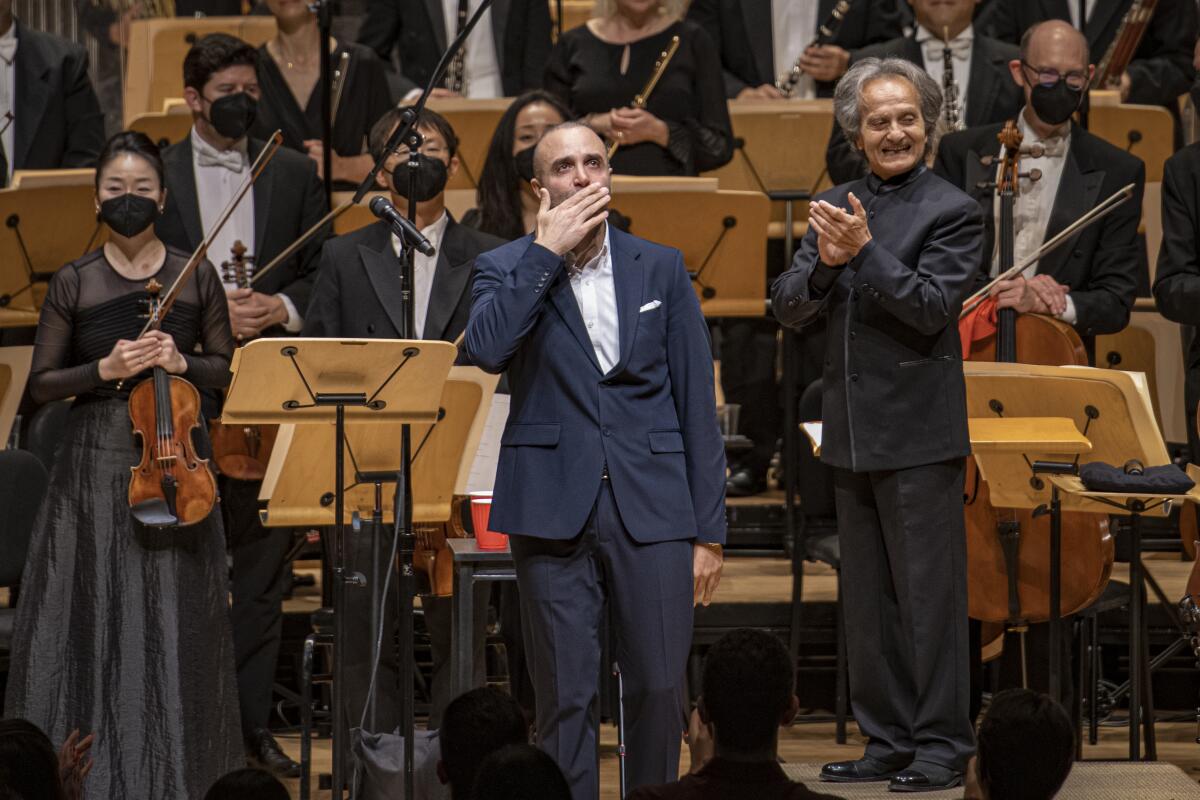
(262, 750)
(744, 482)
(925, 778)
(863, 770)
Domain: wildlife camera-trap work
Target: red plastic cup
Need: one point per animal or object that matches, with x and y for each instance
(481, 510)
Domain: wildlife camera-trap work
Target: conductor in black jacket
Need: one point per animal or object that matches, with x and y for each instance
(506, 53)
(986, 91)
(889, 259)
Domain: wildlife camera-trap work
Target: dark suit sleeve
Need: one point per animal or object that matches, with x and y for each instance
(690, 363)
(949, 162)
(313, 209)
(323, 315)
(706, 14)
(704, 141)
(1112, 284)
(505, 304)
(537, 44)
(1162, 67)
(998, 19)
(800, 294)
(84, 119)
(1177, 281)
(885, 21)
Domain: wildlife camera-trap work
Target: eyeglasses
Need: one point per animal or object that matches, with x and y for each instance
(1048, 76)
(430, 149)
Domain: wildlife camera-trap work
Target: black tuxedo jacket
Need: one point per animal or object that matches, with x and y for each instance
(416, 29)
(288, 200)
(1161, 69)
(992, 96)
(357, 293)
(742, 31)
(58, 122)
(1103, 264)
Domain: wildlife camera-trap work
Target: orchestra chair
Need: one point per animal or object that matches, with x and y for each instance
(22, 486)
(575, 13)
(474, 121)
(166, 127)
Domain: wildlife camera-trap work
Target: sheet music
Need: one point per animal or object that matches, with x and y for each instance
(483, 470)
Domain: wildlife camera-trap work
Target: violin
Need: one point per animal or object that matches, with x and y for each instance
(171, 485)
(241, 451)
(1007, 557)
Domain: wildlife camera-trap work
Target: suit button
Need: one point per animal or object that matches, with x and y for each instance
(854, 377)
(853, 335)
(872, 215)
(370, 329)
(606, 431)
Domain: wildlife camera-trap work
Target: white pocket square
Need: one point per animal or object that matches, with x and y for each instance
(653, 304)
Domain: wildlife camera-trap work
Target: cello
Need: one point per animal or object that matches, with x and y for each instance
(1008, 575)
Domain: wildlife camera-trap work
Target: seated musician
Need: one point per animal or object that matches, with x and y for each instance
(1161, 68)
(357, 295)
(760, 41)
(204, 171)
(981, 76)
(597, 69)
(1089, 282)
(122, 630)
(54, 120)
(290, 93)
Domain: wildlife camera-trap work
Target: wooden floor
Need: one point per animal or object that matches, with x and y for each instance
(769, 579)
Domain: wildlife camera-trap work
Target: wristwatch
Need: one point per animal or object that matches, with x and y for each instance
(714, 548)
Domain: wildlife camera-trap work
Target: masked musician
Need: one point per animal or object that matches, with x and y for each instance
(204, 171)
(760, 41)
(889, 258)
(357, 295)
(122, 630)
(1090, 281)
(597, 69)
(980, 73)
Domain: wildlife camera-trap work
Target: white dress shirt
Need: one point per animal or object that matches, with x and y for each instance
(424, 268)
(482, 67)
(793, 26)
(596, 294)
(1031, 211)
(1073, 7)
(219, 175)
(932, 46)
(8, 95)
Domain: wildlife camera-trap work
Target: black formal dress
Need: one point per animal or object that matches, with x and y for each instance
(585, 73)
(365, 98)
(123, 630)
(895, 429)
(416, 31)
(743, 32)
(1177, 280)
(57, 119)
(992, 96)
(357, 295)
(1161, 69)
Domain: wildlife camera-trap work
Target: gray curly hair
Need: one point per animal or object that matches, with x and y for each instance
(847, 96)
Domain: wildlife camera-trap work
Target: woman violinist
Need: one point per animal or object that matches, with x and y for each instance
(122, 630)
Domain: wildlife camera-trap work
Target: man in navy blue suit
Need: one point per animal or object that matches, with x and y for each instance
(611, 479)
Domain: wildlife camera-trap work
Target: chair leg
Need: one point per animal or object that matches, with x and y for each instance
(306, 716)
(1148, 697)
(1077, 704)
(842, 690)
(1094, 683)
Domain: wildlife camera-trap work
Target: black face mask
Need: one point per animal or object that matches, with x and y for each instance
(432, 175)
(233, 114)
(524, 163)
(129, 214)
(1055, 104)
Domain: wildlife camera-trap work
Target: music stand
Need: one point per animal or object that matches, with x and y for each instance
(474, 120)
(14, 374)
(47, 220)
(308, 381)
(166, 127)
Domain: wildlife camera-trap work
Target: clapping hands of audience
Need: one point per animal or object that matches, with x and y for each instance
(74, 763)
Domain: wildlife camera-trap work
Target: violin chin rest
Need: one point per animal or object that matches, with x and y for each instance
(154, 513)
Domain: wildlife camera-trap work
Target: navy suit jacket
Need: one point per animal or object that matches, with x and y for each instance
(652, 418)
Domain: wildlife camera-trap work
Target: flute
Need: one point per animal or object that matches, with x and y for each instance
(643, 97)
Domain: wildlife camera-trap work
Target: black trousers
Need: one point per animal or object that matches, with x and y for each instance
(904, 578)
(564, 586)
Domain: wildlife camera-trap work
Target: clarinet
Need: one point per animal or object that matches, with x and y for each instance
(786, 83)
(951, 113)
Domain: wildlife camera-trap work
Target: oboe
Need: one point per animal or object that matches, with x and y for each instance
(786, 83)
(951, 112)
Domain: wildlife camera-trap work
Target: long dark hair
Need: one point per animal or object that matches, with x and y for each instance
(499, 192)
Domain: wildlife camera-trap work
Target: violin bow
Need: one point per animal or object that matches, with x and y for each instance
(300, 242)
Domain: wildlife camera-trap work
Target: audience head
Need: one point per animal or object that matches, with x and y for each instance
(569, 158)
(437, 155)
(1026, 745)
(220, 86)
(130, 189)
(747, 692)
(1054, 72)
(28, 763)
(520, 772)
(508, 169)
(475, 725)
(888, 109)
(942, 17)
(247, 784)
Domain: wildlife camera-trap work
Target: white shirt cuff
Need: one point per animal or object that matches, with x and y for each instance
(295, 322)
(1068, 315)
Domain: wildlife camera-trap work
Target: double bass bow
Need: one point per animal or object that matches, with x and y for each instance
(171, 485)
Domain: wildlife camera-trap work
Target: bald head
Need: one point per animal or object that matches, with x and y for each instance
(568, 158)
(1055, 41)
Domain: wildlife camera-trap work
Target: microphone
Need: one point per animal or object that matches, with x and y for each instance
(402, 226)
